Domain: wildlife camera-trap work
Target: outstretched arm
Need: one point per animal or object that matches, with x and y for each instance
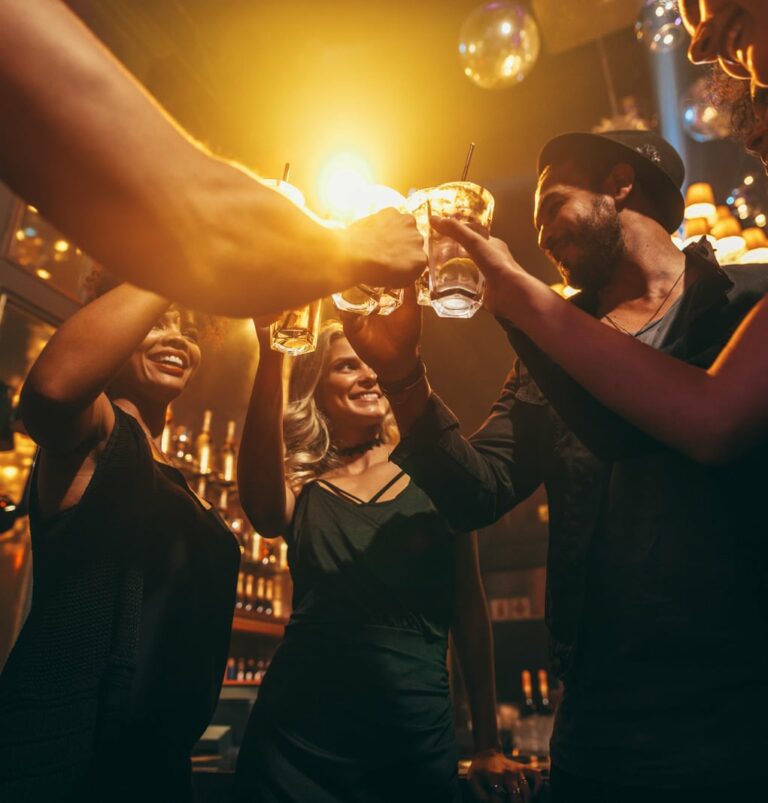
(91, 149)
(712, 416)
(471, 482)
(266, 498)
(474, 643)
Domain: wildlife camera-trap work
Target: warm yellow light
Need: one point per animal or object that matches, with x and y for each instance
(32, 209)
(506, 28)
(702, 210)
(730, 249)
(43, 273)
(372, 198)
(755, 256)
(760, 219)
(749, 180)
(564, 290)
(61, 246)
(292, 193)
(10, 472)
(340, 182)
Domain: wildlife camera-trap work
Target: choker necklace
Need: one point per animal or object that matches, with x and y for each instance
(359, 448)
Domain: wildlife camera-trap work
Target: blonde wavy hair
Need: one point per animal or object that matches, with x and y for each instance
(309, 447)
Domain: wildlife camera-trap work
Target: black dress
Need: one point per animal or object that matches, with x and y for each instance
(117, 669)
(355, 706)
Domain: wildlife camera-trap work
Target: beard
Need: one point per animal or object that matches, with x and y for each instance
(599, 241)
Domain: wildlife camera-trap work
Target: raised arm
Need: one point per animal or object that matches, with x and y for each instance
(83, 141)
(266, 497)
(471, 482)
(63, 404)
(712, 416)
(474, 644)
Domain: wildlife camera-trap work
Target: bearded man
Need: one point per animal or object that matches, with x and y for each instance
(656, 570)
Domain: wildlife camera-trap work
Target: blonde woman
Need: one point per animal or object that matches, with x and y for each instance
(356, 704)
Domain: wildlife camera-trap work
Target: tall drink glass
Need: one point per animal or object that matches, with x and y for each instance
(295, 331)
(364, 299)
(455, 282)
(418, 206)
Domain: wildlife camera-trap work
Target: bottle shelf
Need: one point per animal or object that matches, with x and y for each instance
(251, 683)
(262, 625)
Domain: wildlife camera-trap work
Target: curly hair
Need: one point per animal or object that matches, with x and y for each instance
(307, 431)
(732, 96)
(98, 281)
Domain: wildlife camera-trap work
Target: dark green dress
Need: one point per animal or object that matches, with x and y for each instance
(355, 706)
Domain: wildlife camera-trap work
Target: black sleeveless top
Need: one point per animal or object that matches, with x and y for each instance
(117, 669)
(387, 563)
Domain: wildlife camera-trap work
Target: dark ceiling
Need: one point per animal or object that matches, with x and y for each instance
(269, 82)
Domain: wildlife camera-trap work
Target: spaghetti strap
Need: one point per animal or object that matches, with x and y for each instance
(341, 492)
(383, 490)
(356, 499)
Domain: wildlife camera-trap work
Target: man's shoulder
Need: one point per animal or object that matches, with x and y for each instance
(747, 279)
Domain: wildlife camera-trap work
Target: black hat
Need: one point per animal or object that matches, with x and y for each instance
(657, 163)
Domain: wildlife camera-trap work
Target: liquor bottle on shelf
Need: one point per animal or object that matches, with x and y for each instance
(269, 593)
(256, 547)
(261, 668)
(277, 597)
(228, 454)
(529, 707)
(240, 592)
(250, 669)
(249, 592)
(546, 705)
(231, 673)
(240, 669)
(525, 733)
(282, 560)
(166, 439)
(203, 445)
(181, 443)
(260, 595)
(223, 505)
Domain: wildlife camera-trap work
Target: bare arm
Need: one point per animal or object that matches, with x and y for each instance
(266, 498)
(712, 416)
(63, 405)
(90, 148)
(474, 641)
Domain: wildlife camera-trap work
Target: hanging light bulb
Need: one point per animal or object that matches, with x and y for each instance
(499, 44)
(659, 26)
(702, 120)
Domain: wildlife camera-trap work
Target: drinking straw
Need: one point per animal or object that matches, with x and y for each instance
(469, 159)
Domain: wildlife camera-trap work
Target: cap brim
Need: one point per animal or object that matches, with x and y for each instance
(666, 195)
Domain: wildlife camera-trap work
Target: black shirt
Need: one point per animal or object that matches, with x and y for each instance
(656, 592)
(117, 669)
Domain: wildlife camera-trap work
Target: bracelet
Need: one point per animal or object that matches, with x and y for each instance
(408, 382)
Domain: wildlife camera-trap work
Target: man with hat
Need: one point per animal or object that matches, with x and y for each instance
(656, 600)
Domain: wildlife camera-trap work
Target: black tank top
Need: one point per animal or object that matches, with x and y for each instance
(117, 669)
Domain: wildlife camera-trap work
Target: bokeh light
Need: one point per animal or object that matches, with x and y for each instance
(701, 119)
(659, 26)
(499, 45)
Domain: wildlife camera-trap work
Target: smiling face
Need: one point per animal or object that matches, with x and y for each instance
(164, 362)
(578, 228)
(735, 34)
(348, 392)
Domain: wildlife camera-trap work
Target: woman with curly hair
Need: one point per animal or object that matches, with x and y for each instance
(355, 705)
(117, 669)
